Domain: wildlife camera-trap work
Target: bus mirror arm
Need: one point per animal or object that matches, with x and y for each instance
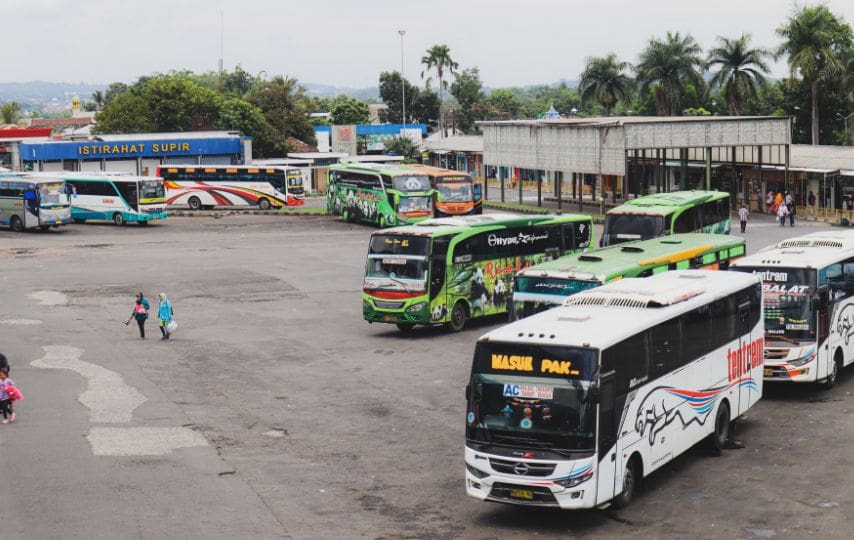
(593, 392)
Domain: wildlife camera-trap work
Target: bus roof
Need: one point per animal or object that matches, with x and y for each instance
(253, 168)
(613, 261)
(436, 172)
(601, 317)
(453, 225)
(98, 176)
(32, 178)
(666, 203)
(381, 168)
(814, 250)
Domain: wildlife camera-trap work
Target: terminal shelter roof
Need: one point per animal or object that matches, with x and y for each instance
(455, 143)
(822, 159)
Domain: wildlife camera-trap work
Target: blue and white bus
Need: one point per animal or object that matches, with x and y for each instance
(27, 202)
(117, 198)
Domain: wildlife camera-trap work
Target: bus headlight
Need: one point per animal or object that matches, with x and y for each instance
(416, 307)
(801, 361)
(572, 482)
(477, 473)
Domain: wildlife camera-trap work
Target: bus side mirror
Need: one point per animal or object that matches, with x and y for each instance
(593, 393)
(820, 299)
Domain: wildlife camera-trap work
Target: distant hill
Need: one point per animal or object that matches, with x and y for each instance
(371, 93)
(39, 95)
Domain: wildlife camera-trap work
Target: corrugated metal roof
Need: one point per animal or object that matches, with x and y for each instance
(821, 158)
(456, 143)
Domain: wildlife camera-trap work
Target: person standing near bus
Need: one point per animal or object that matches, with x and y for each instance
(164, 313)
(743, 213)
(140, 313)
(790, 208)
(769, 202)
(782, 212)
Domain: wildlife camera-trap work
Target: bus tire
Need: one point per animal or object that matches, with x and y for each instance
(264, 203)
(630, 484)
(118, 218)
(458, 317)
(16, 224)
(722, 424)
(194, 203)
(382, 221)
(833, 376)
(345, 213)
(405, 327)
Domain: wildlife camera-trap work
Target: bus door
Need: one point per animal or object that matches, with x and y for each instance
(31, 207)
(477, 190)
(438, 275)
(609, 482)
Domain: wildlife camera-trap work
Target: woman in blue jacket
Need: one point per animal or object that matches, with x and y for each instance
(164, 313)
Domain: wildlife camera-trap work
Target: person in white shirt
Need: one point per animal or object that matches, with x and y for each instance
(743, 213)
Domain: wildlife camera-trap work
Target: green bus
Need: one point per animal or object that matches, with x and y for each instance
(547, 285)
(668, 213)
(385, 195)
(447, 270)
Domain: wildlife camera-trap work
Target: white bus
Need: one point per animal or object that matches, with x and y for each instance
(118, 198)
(27, 202)
(808, 284)
(572, 407)
(207, 186)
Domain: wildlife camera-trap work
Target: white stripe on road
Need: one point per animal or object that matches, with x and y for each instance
(108, 398)
(142, 441)
(20, 322)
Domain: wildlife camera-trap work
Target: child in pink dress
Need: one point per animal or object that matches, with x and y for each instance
(5, 398)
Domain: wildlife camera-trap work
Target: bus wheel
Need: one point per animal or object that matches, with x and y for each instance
(630, 482)
(458, 317)
(264, 204)
(721, 434)
(17, 225)
(346, 215)
(405, 327)
(118, 218)
(831, 379)
(382, 221)
(194, 203)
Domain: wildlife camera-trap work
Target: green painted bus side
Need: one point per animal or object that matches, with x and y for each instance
(668, 213)
(447, 270)
(380, 194)
(548, 284)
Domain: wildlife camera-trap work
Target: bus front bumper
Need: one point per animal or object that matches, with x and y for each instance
(795, 364)
(409, 311)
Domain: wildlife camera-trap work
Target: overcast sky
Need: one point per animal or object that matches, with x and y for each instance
(349, 42)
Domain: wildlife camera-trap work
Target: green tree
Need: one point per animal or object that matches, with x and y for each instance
(113, 91)
(666, 66)
(285, 107)
(178, 104)
(814, 40)
(346, 110)
(98, 99)
(438, 59)
(604, 80)
(126, 113)
(467, 89)
(741, 70)
(504, 102)
(422, 106)
(406, 147)
(235, 114)
(10, 112)
(238, 82)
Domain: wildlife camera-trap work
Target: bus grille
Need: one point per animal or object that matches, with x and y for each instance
(388, 305)
(541, 495)
(534, 469)
(776, 354)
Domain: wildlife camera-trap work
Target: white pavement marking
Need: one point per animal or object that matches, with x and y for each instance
(142, 441)
(20, 322)
(50, 298)
(108, 398)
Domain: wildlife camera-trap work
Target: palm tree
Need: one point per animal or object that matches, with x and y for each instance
(98, 99)
(742, 70)
(667, 67)
(603, 79)
(438, 59)
(813, 40)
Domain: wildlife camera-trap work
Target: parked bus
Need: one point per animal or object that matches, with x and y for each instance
(573, 407)
(455, 193)
(27, 202)
(668, 213)
(116, 197)
(448, 270)
(809, 305)
(207, 186)
(385, 195)
(544, 286)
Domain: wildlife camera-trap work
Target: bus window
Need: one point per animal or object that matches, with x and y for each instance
(666, 347)
(723, 317)
(697, 326)
(688, 221)
(128, 191)
(630, 359)
(438, 264)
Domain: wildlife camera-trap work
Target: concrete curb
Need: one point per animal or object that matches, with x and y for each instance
(223, 213)
(535, 210)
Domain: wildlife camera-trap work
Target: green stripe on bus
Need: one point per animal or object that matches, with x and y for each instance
(659, 269)
(683, 265)
(709, 258)
(736, 251)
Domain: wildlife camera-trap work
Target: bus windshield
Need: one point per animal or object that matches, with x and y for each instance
(532, 397)
(454, 192)
(786, 294)
(151, 189)
(415, 205)
(411, 183)
(397, 262)
(535, 294)
(53, 194)
(625, 227)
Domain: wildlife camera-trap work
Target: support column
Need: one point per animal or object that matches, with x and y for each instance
(482, 173)
(558, 175)
(520, 186)
(539, 188)
(786, 170)
(708, 169)
(573, 185)
(580, 191)
(759, 159)
(601, 180)
(683, 168)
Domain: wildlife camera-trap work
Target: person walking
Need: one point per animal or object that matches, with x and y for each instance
(782, 212)
(811, 200)
(5, 399)
(164, 313)
(769, 202)
(790, 208)
(140, 313)
(743, 213)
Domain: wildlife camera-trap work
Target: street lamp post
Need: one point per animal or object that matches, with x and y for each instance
(402, 79)
(845, 119)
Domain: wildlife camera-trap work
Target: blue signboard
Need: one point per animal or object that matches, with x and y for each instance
(377, 129)
(52, 151)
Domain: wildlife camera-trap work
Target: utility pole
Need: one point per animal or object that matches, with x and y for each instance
(402, 79)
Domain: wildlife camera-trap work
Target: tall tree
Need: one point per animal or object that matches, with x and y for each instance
(438, 59)
(126, 113)
(467, 89)
(284, 104)
(504, 103)
(741, 70)
(422, 106)
(666, 67)
(346, 110)
(238, 115)
(814, 40)
(604, 80)
(10, 112)
(179, 104)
